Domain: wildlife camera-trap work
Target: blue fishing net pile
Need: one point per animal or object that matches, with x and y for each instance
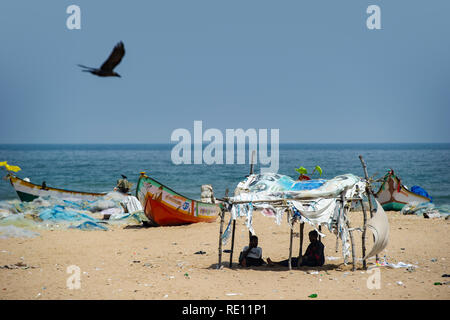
(17, 217)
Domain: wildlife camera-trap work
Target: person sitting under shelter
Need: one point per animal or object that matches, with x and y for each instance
(251, 255)
(313, 257)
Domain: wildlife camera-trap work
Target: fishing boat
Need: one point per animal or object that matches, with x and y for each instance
(165, 207)
(28, 191)
(393, 195)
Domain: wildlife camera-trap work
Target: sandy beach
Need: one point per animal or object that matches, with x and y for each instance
(160, 263)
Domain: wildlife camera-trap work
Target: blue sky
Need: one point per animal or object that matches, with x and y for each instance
(309, 68)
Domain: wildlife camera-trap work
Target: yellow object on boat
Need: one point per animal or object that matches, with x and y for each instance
(8, 167)
(12, 168)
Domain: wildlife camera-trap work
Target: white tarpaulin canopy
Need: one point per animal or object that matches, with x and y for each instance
(317, 202)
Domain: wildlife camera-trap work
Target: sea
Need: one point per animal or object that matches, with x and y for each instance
(97, 167)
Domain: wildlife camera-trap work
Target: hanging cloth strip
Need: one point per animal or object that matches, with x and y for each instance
(379, 225)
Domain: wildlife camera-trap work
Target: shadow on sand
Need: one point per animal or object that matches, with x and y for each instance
(139, 226)
(325, 267)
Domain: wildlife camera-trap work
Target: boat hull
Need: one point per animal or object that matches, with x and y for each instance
(27, 191)
(165, 207)
(393, 196)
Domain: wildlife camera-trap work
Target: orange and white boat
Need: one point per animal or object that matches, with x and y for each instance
(165, 207)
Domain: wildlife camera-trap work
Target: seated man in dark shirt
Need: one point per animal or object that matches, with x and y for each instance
(251, 255)
(313, 257)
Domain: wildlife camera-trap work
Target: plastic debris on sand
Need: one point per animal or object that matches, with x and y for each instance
(16, 232)
(50, 212)
(398, 265)
(89, 225)
(426, 209)
(61, 213)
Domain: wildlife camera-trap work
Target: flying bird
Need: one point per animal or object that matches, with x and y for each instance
(106, 70)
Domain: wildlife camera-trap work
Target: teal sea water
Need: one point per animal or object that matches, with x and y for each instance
(96, 168)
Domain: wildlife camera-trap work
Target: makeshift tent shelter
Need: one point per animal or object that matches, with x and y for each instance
(317, 202)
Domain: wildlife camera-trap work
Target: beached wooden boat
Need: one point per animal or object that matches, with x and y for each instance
(393, 195)
(28, 191)
(165, 207)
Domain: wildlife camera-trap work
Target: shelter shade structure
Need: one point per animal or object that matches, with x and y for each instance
(316, 202)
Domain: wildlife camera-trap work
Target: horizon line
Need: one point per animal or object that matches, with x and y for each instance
(207, 143)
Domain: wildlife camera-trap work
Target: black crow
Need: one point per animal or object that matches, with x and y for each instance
(106, 70)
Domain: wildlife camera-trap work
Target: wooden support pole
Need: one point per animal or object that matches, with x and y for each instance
(290, 249)
(364, 235)
(232, 244)
(222, 218)
(353, 246)
(369, 191)
(253, 161)
(251, 172)
(349, 231)
(291, 236)
(279, 202)
(300, 250)
(320, 230)
(368, 186)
